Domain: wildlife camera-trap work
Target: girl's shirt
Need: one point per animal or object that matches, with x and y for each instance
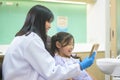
(68, 61)
(27, 59)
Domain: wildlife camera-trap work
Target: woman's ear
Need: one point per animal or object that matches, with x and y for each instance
(58, 45)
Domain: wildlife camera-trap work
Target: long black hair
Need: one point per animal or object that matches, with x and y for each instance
(62, 37)
(35, 22)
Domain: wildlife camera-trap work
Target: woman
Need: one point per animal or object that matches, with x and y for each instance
(27, 57)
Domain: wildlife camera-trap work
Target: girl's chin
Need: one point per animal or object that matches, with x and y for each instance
(69, 55)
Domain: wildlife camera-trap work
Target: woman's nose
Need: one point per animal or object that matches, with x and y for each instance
(49, 27)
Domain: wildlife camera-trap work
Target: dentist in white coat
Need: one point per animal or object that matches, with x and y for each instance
(27, 57)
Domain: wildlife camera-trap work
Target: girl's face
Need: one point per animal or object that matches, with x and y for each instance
(47, 26)
(66, 50)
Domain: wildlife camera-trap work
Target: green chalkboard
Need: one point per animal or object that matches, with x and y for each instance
(12, 18)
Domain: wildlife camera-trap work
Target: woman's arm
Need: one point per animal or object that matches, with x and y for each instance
(40, 59)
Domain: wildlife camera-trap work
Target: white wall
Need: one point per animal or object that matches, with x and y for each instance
(98, 25)
(98, 17)
(3, 49)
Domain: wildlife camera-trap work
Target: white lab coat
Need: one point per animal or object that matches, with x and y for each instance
(27, 59)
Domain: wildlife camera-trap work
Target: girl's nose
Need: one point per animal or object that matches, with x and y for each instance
(72, 46)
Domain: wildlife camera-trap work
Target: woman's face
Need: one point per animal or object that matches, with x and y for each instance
(47, 26)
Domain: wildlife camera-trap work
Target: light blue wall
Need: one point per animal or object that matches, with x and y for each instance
(12, 19)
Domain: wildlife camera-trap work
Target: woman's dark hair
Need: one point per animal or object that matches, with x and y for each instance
(63, 38)
(35, 22)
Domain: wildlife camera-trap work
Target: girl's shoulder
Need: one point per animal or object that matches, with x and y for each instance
(59, 60)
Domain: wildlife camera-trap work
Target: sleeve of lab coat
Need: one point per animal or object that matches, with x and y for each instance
(44, 63)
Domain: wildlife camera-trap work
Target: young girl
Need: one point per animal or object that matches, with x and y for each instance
(62, 45)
